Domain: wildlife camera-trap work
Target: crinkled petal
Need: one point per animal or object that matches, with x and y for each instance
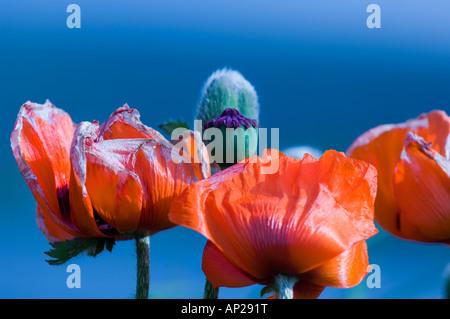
(41, 142)
(307, 290)
(346, 270)
(194, 151)
(125, 123)
(220, 272)
(109, 195)
(437, 132)
(422, 192)
(115, 192)
(80, 202)
(52, 231)
(382, 147)
(164, 176)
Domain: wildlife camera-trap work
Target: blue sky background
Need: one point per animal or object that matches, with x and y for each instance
(322, 77)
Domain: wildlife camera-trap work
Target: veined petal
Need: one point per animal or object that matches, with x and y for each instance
(422, 191)
(437, 133)
(220, 272)
(194, 151)
(125, 123)
(163, 177)
(111, 195)
(382, 147)
(81, 206)
(80, 203)
(115, 192)
(307, 290)
(129, 182)
(346, 270)
(41, 145)
(287, 222)
(51, 230)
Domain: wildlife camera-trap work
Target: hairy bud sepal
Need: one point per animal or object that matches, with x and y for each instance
(227, 89)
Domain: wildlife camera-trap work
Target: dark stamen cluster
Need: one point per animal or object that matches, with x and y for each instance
(231, 118)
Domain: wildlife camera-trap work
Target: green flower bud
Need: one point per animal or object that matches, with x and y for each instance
(227, 89)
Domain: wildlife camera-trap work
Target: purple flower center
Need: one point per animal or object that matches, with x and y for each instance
(62, 193)
(231, 118)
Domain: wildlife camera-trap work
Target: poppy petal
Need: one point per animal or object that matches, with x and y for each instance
(422, 191)
(346, 270)
(112, 195)
(194, 151)
(115, 192)
(51, 230)
(81, 206)
(125, 123)
(307, 290)
(437, 132)
(382, 147)
(164, 176)
(220, 272)
(41, 145)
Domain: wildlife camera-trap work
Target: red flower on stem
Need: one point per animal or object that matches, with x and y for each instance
(299, 229)
(99, 181)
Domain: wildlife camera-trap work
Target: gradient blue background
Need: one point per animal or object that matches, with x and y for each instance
(322, 77)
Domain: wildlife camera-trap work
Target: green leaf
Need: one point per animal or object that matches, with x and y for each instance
(65, 250)
(269, 289)
(110, 242)
(99, 246)
(169, 126)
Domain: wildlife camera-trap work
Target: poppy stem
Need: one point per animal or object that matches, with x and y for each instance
(210, 292)
(143, 266)
(285, 286)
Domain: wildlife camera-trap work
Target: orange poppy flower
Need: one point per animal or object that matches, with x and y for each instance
(412, 159)
(96, 181)
(309, 220)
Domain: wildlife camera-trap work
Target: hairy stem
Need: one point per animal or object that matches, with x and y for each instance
(210, 292)
(143, 266)
(285, 286)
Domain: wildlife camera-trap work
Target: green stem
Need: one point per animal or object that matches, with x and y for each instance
(210, 292)
(143, 266)
(447, 283)
(285, 286)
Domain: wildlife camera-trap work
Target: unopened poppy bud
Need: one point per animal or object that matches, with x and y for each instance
(238, 134)
(227, 89)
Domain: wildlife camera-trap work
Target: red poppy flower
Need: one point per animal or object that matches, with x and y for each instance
(412, 159)
(97, 181)
(308, 220)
